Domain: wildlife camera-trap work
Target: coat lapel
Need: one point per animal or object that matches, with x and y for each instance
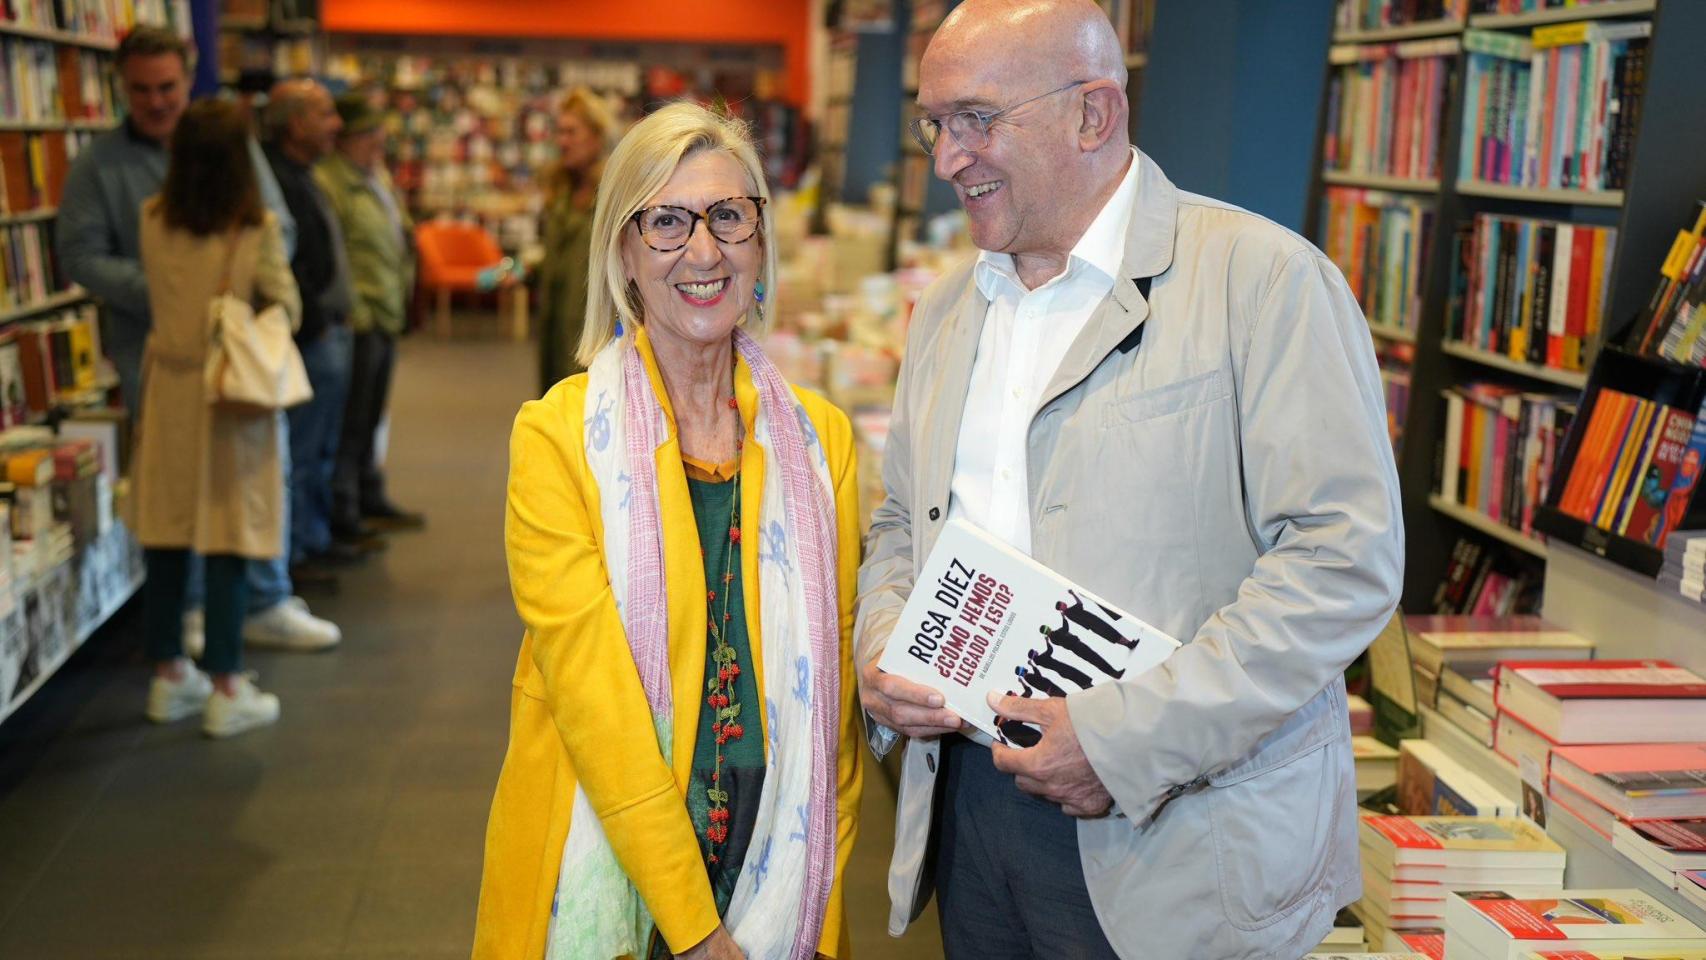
(939, 426)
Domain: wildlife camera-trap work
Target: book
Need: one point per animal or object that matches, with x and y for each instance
(1376, 765)
(1502, 450)
(1362, 715)
(1479, 725)
(1500, 924)
(1471, 685)
(1475, 644)
(1380, 242)
(1619, 953)
(1663, 860)
(1605, 701)
(1430, 783)
(1434, 845)
(1545, 301)
(1658, 781)
(1692, 884)
(1427, 941)
(984, 618)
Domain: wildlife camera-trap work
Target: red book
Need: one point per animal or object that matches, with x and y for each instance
(1604, 701)
(1638, 781)
(1581, 284)
(1648, 492)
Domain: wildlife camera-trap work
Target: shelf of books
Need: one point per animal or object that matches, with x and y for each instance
(1500, 190)
(66, 563)
(276, 37)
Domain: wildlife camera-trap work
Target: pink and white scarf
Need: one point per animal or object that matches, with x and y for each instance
(779, 902)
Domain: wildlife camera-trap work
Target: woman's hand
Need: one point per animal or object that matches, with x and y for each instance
(718, 946)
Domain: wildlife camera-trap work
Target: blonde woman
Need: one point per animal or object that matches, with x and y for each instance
(683, 768)
(585, 127)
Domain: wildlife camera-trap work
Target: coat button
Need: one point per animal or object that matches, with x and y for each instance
(930, 761)
(935, 513)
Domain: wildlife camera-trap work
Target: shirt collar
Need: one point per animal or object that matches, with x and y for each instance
(1102, 246)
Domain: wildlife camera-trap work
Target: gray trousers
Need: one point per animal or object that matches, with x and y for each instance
(1009, 884)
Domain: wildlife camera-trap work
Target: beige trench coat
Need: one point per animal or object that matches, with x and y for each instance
(206, 478)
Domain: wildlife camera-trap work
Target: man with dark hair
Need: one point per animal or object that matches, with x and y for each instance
(99, 245)
(301, 125)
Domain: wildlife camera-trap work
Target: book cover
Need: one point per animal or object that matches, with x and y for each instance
(1577, 915)
(1687, 477)
(1492, 835)
(1652, 492)
(1604, 679)
(984, 618)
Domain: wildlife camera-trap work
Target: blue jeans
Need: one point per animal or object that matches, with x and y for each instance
(315, 428)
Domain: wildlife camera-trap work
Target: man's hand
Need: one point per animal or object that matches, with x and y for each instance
(1056, 769)
(903, 706)
(718, 946)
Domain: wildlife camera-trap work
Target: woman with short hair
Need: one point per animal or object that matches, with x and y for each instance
(683, 770)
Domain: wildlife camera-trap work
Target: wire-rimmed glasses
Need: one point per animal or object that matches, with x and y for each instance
(969, 128)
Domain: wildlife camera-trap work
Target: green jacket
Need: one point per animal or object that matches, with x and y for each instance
(381, 257)
(562, 288)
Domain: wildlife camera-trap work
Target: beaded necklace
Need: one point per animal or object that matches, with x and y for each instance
(720, 688)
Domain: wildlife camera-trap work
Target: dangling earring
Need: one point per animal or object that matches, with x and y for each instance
(758, 295)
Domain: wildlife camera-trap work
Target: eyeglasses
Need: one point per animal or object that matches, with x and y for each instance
(969, 127)
(667, 229)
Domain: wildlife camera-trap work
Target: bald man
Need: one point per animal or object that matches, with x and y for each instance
(1175, 403)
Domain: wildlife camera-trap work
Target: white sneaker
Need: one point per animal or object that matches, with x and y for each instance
(172, 700)
(288, 625)
(195, 633)
(245, 709)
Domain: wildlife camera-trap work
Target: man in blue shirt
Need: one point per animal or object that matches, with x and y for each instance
(98, 241)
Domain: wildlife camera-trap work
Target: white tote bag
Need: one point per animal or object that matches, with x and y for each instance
(252, 360)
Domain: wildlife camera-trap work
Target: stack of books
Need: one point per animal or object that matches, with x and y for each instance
(1430, 783)
(1635, 470)
(1500, 446)
(1376, 765)
(1533, 290)
(1500, 924)
(1410, 865)
(1556, 110)
(1454, 658)
(1685, 564)
(1670, 850)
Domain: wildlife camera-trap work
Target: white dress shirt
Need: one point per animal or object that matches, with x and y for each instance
(1026, 334)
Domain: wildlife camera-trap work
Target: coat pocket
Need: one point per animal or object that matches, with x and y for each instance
(1163, 401)
(1271, 833)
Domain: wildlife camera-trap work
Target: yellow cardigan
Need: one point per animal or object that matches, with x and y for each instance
(577, 710)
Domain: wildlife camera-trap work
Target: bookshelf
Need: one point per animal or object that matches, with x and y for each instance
(277, 38)
(1375, 181)
(1660, 177)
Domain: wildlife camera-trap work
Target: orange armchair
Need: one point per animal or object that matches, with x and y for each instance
(452, 254)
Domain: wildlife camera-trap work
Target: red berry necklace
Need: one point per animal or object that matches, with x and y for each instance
(720, 688)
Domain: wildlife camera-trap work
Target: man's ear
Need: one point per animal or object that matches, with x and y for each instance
(1105, 109)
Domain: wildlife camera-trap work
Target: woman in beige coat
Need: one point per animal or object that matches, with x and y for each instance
(208, 477)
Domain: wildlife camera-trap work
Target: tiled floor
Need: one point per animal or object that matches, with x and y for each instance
(353, 829)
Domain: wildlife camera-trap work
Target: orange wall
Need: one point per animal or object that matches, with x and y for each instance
(780, 22)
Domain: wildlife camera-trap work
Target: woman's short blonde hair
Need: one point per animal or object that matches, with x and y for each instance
(592, 110)
(640, 166)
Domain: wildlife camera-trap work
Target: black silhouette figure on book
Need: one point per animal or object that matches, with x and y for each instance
(1101, 624)
(1066, 639)
(1044, 660)
(1033, 681)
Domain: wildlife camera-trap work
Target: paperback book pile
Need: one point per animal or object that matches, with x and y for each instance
(1454, 658)
(1557, 110)
(1546, 704)
(1500, 447)
(1376, 765)
(1379, 241)
(1410, 865)
(1384, 104)
(1685, 564)
(1667, 849)
(1636, 468)
(984, 618)
(1430, 783)
(1534, 290)
(1609, 784)
(1497, 923)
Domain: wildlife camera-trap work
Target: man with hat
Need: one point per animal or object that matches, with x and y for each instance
(378, 237)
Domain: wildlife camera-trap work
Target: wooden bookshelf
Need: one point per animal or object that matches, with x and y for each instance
(1444, 27)
(53, 301)
(69, 37)
(1580, 11)
(1663, 175)
(1574, 198)
(1375, 181)
(1488, 525)
(1575, 379)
